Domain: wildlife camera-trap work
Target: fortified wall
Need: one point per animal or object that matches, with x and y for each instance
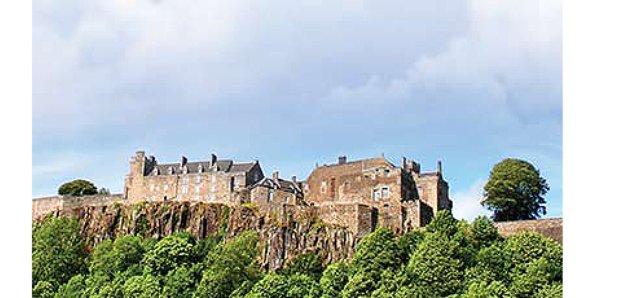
(549, 227)
(63, 204)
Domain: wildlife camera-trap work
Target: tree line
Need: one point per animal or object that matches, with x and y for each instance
(447, 258)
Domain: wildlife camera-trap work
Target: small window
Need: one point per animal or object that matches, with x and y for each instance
(387, 172)
(270, 196)
(376, 194)
(232, 185)
(323, 187)
(385, 192)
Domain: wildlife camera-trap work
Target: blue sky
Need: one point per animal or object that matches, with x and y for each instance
(295, 83)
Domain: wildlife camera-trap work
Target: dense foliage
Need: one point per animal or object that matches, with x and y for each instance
(515, 191)
(449, 258)
(78, 187)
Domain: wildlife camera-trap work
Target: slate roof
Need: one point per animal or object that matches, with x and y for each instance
(282, 184)
(225, 165)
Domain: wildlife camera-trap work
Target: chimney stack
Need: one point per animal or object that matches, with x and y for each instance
(403, 163)
(440, 167)
(342, 159)
(183, 161)
(294, 178)
(276, 175)
(213, 159)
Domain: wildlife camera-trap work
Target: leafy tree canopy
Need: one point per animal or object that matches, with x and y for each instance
(58, 251)
(450, 258)
(515, 191)
(78, 187)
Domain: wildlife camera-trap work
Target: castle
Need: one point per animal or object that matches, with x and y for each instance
(359, 194)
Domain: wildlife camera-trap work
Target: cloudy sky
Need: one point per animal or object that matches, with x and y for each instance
(292, 83)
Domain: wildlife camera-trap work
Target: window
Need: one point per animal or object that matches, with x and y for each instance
(185, 189)
(333, 186)
(376, 194)
(323, 187)
(387, 172)
(232, 184)
(385, 192)
(270, 196)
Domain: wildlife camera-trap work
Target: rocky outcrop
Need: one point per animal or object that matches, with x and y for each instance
(284, 232)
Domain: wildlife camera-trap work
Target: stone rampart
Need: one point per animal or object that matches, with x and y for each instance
(550, 227)
(55, 204)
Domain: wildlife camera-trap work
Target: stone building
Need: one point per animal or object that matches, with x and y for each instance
(216, 181)
(360, 195)
(351, 192)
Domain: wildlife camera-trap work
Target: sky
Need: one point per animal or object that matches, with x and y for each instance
(295, 83)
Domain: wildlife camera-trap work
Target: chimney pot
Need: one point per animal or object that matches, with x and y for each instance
(294, 178)
(439, 167)
(276, 175)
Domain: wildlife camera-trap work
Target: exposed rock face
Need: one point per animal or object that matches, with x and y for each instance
(284, 232)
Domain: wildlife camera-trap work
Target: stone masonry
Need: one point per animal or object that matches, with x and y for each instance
(359, 195)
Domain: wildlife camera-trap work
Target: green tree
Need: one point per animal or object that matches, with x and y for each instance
(515, 191)
(271, 286)
(309, 264)
(78, 187)
(376, 252)
(43, 289)
(408, 243)
(229, 266)
(142, 286)
(537, 275)
(494, 289)
(74, 288)
(171, 252)
(492, 264)
(302, 285)
(361, 284)
(524, 248)
(443, 223)
(110, 258)
(181, 282)
(58, 251)
(483, 232)
(333, 280)
(435, 265)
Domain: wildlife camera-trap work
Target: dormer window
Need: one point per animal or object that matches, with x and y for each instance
(155, 171)
(170, 171)
(200, 168)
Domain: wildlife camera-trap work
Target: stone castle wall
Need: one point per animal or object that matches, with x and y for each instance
(55, 204)
(550, 227)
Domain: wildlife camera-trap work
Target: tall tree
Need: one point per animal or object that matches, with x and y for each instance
(515, 191)
(58, 251)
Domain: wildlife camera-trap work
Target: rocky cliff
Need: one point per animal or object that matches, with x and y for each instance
(284, 232)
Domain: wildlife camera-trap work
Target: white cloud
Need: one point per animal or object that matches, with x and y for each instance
(467, 203)
(504, 70)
